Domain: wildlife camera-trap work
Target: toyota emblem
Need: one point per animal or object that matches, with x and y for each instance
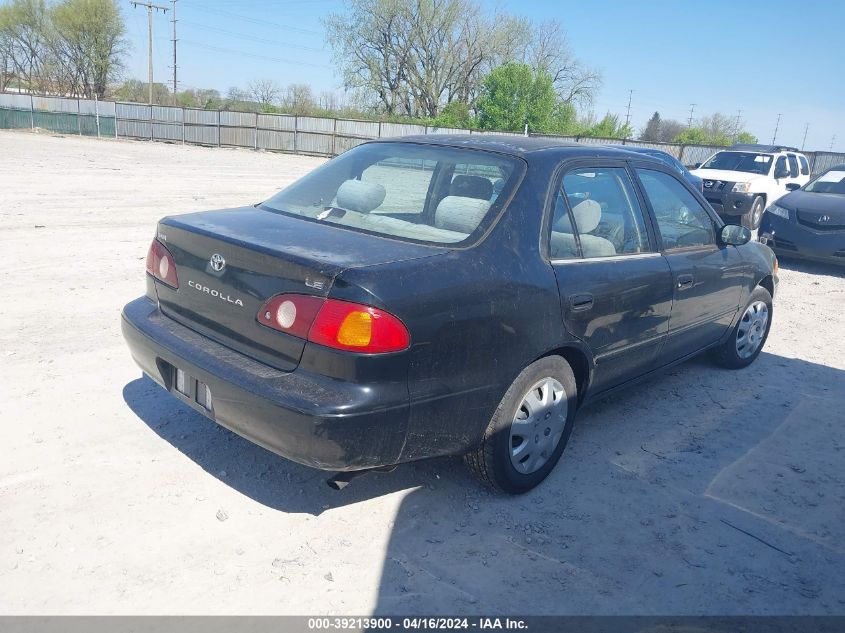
(217, 262)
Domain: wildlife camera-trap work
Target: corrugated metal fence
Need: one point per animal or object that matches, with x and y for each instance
(274, 132)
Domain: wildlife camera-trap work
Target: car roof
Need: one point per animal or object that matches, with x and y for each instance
(755, 147)
(515, 145)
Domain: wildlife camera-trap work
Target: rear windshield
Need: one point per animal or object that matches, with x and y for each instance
(421, 193)
(750, 162)
(832, 181)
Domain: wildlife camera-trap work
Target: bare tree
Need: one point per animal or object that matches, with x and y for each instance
(264, 91)
(549, 50)
(24, 28)
(414, 56)
(298, 99)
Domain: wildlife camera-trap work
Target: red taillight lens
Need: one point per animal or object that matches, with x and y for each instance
(337, 324)
(160, 264)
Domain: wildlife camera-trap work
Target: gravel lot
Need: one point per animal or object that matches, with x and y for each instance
(704, 492)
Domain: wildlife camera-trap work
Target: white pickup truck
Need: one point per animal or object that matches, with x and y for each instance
(744, 179)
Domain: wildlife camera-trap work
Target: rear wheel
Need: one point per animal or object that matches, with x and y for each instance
(529, 429)
(748, 337)
(751, 219)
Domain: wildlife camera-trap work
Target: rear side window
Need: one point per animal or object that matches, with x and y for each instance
(805, 165)
(422, 193)
(597, 214)
(682, 221)
(793, 165)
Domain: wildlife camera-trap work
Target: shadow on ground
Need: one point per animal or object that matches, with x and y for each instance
(702, 492)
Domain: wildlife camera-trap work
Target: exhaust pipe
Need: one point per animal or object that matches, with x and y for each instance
(339, 481)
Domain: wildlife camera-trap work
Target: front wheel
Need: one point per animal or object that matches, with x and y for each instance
(751, 220)
(529, 429)
(748, 337)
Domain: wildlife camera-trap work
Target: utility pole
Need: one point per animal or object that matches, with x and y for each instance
(832, 141)
(806, 129)
(691, 110)
(173, 16)
(738, 124)
(150, 6)
(777, 125)
(628, 116)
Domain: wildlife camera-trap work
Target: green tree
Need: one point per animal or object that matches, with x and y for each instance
(513, 95)
(651, 132)
(609, 127)
(455, 115)
(89, 44)
(746, 137)
(692, 136)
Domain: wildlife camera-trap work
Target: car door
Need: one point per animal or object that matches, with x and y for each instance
(615, 287)
(707, 277)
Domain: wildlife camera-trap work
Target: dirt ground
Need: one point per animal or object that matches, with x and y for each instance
(703, 492)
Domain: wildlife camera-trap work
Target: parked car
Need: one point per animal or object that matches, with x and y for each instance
(391, 306)
(741, 181)
(673, 162)
(810, 222)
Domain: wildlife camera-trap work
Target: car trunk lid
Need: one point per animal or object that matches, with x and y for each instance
(263, 254)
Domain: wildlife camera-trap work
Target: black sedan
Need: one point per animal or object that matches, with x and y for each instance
(810, 222)
(445, 295)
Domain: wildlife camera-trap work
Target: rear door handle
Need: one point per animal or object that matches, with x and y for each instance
(581, 302)
(685, 282)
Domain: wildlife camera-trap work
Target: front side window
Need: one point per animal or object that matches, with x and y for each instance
(421, 193)
(682, 221)
(607, 218)
(749, 162)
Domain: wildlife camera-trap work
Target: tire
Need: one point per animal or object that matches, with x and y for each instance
(751, 220)
(550, 385)
(749, 335)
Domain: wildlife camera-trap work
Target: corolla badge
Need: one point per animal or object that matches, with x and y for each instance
(217, 262)
(708, 183)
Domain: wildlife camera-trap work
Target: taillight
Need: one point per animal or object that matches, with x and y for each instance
(160, 264)
(336, 324)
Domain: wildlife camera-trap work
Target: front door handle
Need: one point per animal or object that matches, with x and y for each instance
(685, 282)
(581, 302)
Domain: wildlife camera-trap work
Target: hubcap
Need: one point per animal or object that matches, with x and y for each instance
(752, 329)
(538, 426)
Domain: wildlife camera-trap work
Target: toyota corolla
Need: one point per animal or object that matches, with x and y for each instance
(445, 295)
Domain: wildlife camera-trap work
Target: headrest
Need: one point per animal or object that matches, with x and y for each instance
(471, 187)
(363, 197)
(587, 215)
(459, 213)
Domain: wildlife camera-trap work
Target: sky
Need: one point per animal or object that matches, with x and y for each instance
(752, 58)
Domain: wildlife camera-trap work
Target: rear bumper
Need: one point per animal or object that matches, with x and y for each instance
(730, 204)
(787, 238)
(314, 420)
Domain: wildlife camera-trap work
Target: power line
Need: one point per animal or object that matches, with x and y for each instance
(262, 22)
(255, 56)
(250, 38)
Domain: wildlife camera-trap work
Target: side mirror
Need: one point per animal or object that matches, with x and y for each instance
(735, 235)
(696, 166)
(792, 186)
